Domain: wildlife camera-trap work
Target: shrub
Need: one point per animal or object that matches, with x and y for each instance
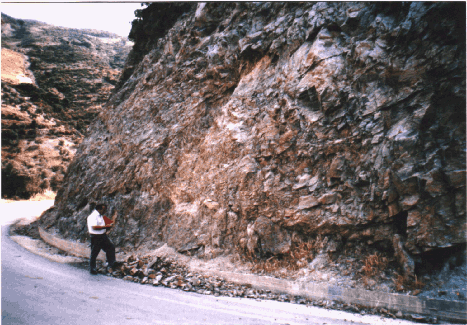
(298, 257)
(374, 264)
(404, 282)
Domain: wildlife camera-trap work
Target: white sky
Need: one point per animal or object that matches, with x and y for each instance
(113, 17)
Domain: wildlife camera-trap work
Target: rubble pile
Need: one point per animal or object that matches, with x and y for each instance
(160, 271)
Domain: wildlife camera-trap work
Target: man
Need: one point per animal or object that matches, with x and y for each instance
(99, 240)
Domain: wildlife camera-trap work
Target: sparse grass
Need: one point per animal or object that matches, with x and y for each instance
(372, 269)
(281, 266)
(374, 264)
(46, 195)
(299, 256)
(405, 283)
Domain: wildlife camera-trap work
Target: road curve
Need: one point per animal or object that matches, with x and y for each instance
(38, 291)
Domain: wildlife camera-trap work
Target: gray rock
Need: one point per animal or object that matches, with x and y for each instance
(273, 239)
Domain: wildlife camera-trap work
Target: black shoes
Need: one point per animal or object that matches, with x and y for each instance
(108, 269)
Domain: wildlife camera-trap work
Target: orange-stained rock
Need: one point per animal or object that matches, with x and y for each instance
(237, 127)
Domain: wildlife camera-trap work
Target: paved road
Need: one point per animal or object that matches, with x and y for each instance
(38, 291)
(28, 210)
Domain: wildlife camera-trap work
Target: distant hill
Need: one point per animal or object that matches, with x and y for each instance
(54, 82)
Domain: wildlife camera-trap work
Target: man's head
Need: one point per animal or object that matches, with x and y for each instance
(101, 207)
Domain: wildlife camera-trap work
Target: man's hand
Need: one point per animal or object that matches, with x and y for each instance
(114, 217)
(110, 225)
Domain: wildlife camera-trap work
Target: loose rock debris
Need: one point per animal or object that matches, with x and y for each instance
(160, 271)
(169, 272)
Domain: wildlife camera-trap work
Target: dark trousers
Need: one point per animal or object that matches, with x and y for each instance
(103, 242)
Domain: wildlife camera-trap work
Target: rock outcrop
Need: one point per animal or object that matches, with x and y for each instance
(54, 82)
(251, 127)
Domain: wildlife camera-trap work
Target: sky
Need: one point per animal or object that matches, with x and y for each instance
(114, 17)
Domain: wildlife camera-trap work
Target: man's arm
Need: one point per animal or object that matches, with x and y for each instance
(92, 222)
(114, 217)
(101, 227)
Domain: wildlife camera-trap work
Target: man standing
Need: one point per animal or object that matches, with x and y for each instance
(99, 240)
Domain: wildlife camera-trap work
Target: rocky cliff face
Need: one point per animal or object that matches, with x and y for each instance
(257, 127)
(54, 81)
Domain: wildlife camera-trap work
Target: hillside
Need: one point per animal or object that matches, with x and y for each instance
(316, 134)
(54, 82)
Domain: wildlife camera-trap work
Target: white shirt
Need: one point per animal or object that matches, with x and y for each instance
(95, 219)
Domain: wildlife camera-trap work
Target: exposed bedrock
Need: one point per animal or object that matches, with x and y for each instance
(247, 126)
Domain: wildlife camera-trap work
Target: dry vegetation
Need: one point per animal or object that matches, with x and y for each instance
(285, 265)
(374, 265)
(46, 195)
(404, 283)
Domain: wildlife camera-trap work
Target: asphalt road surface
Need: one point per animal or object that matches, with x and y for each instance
(38, 291)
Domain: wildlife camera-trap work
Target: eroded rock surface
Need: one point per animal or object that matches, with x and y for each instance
(54, 82)
(251, 127)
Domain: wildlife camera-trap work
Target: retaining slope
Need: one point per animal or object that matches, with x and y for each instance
(445, 310)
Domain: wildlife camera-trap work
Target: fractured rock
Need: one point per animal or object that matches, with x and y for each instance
(273, 239)
(237, 126)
